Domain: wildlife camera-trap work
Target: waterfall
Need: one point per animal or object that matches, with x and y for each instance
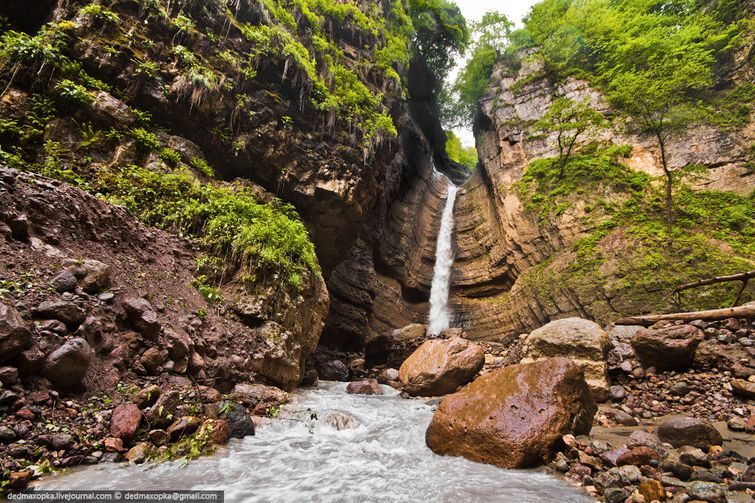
(444, 259)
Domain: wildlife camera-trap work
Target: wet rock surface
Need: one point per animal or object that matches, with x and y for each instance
(439, 367)
(514, 417)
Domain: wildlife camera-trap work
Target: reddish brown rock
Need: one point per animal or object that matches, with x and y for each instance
(439, 367)
(184, 426)
(218, 429)
(125, 421)
(514, 417)
(639, 456)
(113, 444)
(364, 387)
(669, 348)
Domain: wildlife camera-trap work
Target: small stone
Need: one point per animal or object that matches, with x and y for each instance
(615, 495)
(159, 437)
(239, 421)
(364, 387)
(106, 297)
(125, 421)
(743, 388)
(8, 376)
(62, 310)
(388, 375)
(113, 444)
(66, 366)
(142, 317)
(218, 429)
(19, 228)
(693, 456)
(639, 456)
(146, 397)
(681, 431)
(736, 423)
(652, 490)
(7, 435)
(184, 426)
(679, 389)
(151, 359)
(64, 282)
(139, 453)
(25, 414)
(19, 480)
(706, 491)
(618, 393)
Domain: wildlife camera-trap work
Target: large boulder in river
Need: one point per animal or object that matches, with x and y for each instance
(66, 366)
(580, 340)
(392, 348)
(514, 417)
(669, 348)
(679, 431)
(14, 335)
(439, 367)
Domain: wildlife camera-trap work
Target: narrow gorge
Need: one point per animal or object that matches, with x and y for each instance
(241, 250)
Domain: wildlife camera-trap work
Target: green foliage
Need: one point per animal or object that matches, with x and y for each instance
(201, 166)
(458, 153)
(210, 293)
(491, 41)
(440, 35)
(548, 189)
(170, 156)
(145, 140)
(74, 94)
(569, 120)
(99, 13)
(228, 221)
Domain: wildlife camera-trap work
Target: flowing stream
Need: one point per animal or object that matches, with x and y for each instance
(304, 457)
(444, 260)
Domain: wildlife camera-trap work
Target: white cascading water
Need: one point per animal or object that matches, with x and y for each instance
(379, 455)
(444, 260)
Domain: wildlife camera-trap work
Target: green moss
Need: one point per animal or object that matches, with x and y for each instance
(228, 220)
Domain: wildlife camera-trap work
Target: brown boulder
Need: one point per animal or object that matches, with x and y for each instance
(439, 367)
(125, 421)
(142, 317)
(743, 388)
(217, 429)
(66, 366)
(514, 417)
(681, 431)
(669, 348)
(364, 387)
(14, 335)
(652, 490)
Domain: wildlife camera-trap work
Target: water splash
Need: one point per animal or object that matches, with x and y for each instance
(379, 456)
(444, 260)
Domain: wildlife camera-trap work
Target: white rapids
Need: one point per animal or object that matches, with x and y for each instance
(302, 458)
(444, 260)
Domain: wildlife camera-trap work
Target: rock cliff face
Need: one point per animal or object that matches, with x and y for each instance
(510, 272)
(514, 269)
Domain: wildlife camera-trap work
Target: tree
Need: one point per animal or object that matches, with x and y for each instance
(466, 156)
(655, 77)
(490, 41)
(440, 34)
(569, 120)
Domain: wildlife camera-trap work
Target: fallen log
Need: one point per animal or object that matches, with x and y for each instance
(747, 311)
(744, 277)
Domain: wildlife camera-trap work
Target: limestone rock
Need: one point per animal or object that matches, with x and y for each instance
(514, 417)
(668, 348)
(439, 367)
(581, 340)
(364, 387)
(125, 421)
(66, 366)
(681, 431)
(14, 335)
